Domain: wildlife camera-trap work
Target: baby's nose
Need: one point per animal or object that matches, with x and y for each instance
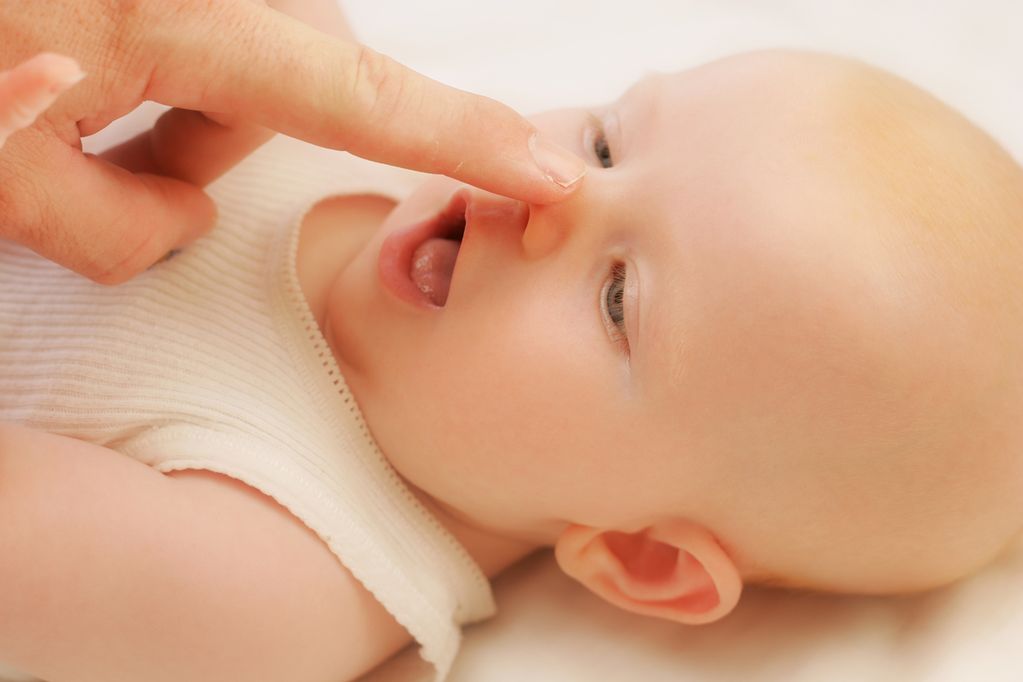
(544, 233)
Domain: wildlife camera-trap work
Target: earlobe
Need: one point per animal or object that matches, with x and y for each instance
(674, 570)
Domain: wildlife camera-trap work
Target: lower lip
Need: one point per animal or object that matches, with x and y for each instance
(395, 259)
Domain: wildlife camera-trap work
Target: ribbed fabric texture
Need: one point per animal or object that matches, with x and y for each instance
(212, 360)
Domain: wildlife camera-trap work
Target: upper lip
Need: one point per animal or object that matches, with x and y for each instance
(452, 220)
(465, 210)
(448, 223)
(396, 252)
(502, 219)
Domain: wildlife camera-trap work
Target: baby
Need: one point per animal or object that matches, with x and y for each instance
(775, 338)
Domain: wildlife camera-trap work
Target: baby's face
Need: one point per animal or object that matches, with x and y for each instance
(710, 325)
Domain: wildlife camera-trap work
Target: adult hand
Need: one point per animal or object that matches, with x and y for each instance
(110, 217)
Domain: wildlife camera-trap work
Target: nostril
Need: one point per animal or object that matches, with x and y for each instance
(450, 227)
(456, 230)
(456, 214)
(544, 233)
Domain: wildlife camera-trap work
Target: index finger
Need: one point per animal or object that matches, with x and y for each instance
(293, 79)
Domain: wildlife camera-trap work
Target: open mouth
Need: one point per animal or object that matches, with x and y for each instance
(417, 264)
(433, 260)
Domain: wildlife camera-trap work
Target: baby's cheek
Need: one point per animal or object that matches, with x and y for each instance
(524, 381)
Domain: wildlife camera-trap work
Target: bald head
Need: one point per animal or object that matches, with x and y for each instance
(857, 374)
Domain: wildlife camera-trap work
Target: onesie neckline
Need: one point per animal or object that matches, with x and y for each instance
(337, 406)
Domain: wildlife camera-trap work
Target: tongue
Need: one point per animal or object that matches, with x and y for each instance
(432, 265)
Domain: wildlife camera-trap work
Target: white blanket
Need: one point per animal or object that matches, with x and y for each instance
(537, 54)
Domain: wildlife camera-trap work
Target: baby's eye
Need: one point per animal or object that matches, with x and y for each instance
(601, 149)
(612, 306)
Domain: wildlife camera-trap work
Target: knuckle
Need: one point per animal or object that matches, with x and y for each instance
(138, 35)
(377, 86)
(129, 37)
(122, 23)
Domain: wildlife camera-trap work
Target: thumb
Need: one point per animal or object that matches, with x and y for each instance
(298, 81)
(93, 217)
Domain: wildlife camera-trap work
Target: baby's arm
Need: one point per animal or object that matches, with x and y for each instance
(112, 571)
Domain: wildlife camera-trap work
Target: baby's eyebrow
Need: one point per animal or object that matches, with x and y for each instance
(643, 98)
(645, 92)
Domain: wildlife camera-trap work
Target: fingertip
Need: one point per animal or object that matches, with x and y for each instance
(509, 156)
(194, 210)
(558, 165)
(60, 72)
(206, 214)
(204, 220)
(180, 214)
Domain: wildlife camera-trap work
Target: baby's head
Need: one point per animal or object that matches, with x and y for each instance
(776, 336)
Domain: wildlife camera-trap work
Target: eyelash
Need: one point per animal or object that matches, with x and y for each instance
(612, 306)
(602, 150)
(612, 294)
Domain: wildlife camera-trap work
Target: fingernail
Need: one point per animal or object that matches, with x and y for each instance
(64, 72)
(557, 163)
(66, 83)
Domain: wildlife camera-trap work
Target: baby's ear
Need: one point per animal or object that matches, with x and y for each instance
(674, 570)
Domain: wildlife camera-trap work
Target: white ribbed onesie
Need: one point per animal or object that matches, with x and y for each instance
(212, 360)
